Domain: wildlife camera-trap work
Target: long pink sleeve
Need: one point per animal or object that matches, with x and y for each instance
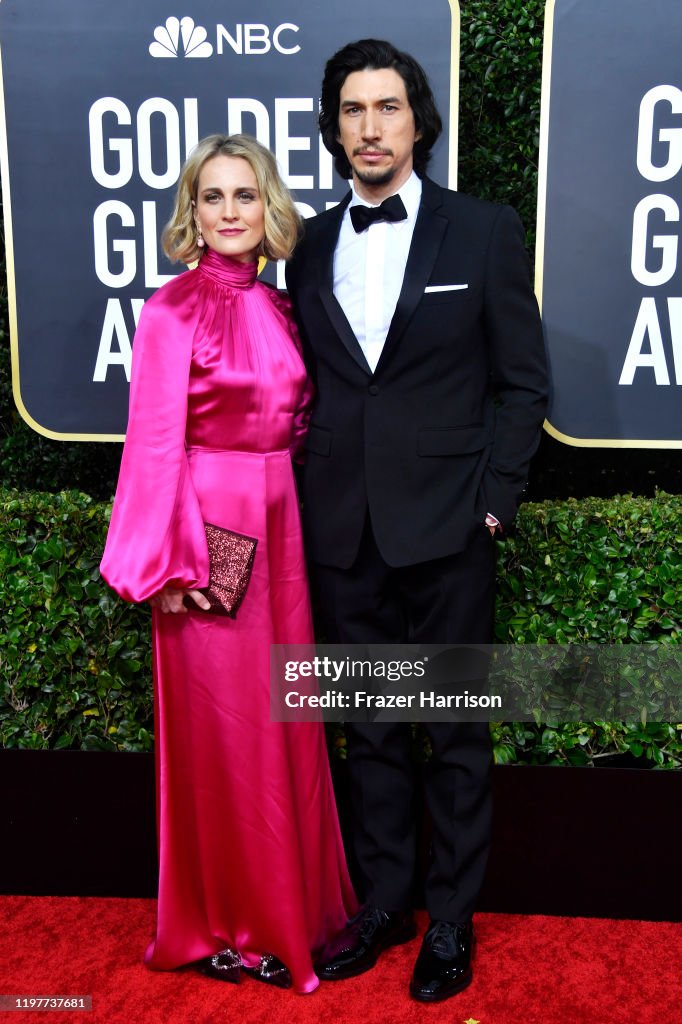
(156, 536)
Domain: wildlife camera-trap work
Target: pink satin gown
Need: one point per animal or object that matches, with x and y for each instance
(250, 853)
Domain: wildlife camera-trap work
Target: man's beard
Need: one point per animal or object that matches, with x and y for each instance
(378, 177)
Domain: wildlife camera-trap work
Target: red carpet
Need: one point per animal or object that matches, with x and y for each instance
(528, 970)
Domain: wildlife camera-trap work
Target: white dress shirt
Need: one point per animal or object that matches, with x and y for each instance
(369, 268)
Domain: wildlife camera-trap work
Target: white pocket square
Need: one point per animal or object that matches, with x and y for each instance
(444, 288)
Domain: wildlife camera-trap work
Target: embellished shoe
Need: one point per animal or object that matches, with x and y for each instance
(223, 966)
(270, 970)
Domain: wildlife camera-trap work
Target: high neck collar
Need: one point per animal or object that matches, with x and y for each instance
(227, 271)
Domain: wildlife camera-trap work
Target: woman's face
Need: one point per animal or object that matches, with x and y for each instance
(229, 208)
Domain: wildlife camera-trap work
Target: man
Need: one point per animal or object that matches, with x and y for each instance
(422, 335)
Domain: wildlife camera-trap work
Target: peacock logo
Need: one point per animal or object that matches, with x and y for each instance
(180, 37)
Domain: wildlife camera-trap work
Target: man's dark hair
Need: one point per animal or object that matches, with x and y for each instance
(373, 55)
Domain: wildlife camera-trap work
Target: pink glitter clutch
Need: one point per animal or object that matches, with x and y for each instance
(230, 562)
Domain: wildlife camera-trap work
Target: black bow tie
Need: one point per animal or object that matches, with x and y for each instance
(391, 209)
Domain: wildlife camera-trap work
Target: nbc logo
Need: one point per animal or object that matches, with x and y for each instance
(167, 39)
(180, 37)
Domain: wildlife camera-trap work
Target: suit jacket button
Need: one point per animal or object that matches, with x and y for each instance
(373, 389)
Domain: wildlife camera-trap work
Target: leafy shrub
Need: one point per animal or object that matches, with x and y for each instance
(75, 660)
(588, 743)
(500, 79)
(592, 571)
(595, 570)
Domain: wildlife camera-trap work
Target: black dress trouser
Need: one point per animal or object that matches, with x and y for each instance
(447, 601)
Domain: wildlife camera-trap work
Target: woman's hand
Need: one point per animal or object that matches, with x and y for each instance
(170, 599)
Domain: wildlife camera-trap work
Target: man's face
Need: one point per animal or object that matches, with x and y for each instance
(376, 130)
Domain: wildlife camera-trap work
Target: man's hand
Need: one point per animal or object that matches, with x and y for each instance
(493, 524)
(170, 599)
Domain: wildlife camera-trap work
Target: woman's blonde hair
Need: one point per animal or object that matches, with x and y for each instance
(282, 219)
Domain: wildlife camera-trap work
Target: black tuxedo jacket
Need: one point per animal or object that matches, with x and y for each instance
(442, 432)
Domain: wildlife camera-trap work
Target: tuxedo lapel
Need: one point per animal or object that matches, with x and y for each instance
(326, 245)
(426, 241)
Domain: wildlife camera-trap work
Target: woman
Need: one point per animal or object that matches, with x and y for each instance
(252, 873)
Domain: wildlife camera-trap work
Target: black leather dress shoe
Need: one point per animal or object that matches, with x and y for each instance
(224, 966)
(443, 966)
(357, 948)
(270, 970)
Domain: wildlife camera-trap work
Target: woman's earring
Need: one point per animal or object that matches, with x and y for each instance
(200, 240)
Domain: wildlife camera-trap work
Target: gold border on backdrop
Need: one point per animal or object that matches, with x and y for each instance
(576, 442)
(542, 157)
(9, 246)
(12, 296)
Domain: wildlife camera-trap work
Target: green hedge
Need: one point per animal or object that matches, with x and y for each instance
(499, 103)
(75, 661)
(592, 571)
